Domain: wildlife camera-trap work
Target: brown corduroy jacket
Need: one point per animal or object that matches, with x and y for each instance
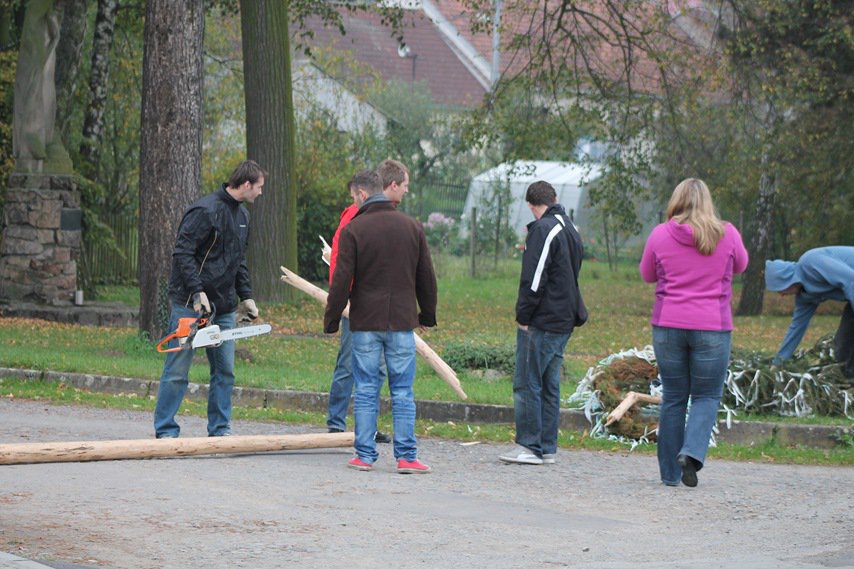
(384, 254)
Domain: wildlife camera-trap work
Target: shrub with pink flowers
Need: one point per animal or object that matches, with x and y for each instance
(439, 230)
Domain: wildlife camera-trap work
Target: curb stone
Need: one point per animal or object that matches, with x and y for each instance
(738, 432)
(9, 561)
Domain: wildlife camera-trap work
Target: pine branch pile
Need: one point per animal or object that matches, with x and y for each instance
(810, 383)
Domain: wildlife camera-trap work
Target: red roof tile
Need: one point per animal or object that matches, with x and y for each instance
(430, 58)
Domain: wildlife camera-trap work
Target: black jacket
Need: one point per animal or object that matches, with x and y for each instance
(549, 298)
(210, 253)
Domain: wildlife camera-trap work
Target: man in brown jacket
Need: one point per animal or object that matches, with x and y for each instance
(385, 271)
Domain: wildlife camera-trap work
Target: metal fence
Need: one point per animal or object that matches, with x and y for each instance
(115, 264)
(427, 196)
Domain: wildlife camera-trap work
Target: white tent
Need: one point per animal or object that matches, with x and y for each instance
(569, 182)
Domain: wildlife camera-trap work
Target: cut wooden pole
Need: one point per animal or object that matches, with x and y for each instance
(34, 453)
(436, 362)
(631, 398)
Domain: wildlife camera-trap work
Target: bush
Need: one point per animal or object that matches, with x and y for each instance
(321, 151)
(439, 230)
(468, 355)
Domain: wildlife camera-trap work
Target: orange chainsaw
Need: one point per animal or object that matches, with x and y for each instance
(199, 332)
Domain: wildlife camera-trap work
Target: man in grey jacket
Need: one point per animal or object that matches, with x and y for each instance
(824, 273)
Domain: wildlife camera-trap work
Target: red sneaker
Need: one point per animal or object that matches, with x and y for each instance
(359, 464)
(412, 467)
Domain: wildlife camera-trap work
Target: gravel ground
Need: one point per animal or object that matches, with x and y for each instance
(306, 509)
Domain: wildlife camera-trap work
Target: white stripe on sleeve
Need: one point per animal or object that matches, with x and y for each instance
(541, 264)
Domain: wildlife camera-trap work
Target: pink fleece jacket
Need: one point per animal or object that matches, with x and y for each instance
(693, 291)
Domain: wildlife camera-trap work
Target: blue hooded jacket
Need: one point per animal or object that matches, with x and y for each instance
(825, 273)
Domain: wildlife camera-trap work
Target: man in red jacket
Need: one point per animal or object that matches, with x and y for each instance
(341, 387)
(385, 271)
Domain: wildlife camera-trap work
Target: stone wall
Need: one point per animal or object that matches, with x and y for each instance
(41, 239)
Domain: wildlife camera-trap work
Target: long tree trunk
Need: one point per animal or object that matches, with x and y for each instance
(99, 76)
(170, 144)
(753, 290)
(270, 141)
(68, 57)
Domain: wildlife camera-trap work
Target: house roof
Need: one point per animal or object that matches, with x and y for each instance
(596, 26)
(454, 62)
(429, 57)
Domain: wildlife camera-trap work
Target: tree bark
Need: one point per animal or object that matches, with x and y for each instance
(270, 142)
(68, 56)
(753, 289)
(170, 144)
(99, 77)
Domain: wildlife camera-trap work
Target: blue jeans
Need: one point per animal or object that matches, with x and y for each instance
(342, 381)
(399, 349)
(341, 388)
(173, 380)
(692, 363)
(536, 388)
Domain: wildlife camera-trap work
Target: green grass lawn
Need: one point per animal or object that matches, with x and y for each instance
(477, 311)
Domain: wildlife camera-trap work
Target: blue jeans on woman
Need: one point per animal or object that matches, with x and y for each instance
(536, 388)
(399, 349)
(174, 379)
(692, 364)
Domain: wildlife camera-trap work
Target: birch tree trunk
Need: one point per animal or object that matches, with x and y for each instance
(753, 289)
(99, 76)
(270, 142)
(170, 144)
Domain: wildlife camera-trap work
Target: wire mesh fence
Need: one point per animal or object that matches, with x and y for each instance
(116, 262)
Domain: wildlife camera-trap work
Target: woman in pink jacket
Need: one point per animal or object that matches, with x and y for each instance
(692, 259)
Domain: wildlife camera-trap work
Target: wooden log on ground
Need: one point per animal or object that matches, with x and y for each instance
(631, 398)
(436, 362)
(34, 453)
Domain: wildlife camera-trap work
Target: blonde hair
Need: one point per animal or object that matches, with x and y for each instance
(691, 203)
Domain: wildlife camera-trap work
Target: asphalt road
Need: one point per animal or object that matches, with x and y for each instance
(306, 509)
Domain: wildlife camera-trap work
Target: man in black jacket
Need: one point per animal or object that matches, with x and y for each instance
(548, 307)
(209, 274)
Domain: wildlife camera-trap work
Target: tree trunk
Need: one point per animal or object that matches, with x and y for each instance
(99, 76)
(270, 142)
(170, 144)
(5, 27)
(68, 52)
(753, 289)
(89, 451)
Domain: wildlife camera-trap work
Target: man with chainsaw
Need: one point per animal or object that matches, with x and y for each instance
(210, 279)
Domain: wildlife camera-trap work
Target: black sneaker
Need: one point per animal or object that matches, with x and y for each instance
(381, 437)
(689, 470)
(334, 430)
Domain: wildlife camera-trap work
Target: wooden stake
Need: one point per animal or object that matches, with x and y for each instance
(436, 362)
(35, 453)
(631, 398)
